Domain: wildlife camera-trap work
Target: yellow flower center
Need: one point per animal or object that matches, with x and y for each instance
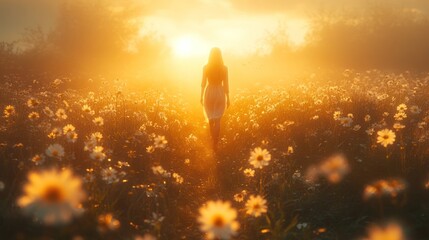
(218, 221)
(53, 194)
(256, 207)
(260, 158)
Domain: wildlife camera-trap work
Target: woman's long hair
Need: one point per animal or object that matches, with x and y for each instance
(215, 65)
(215, 60)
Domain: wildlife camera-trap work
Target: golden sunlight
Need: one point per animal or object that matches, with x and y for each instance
(297, 30)
(187, 46)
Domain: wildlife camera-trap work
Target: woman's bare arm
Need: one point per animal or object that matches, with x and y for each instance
(226, 87)
(203, 84)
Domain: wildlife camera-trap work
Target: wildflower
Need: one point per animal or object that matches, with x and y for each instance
(68, 128)
(146, 236)
(367, 118)
(289, 150)
(150, 149)
(400, 116)
(32, 102)
(296, 175)
(33, 116)
(370, 131)
(156, 219)
(86, 108)
(9, 110)
(386, 137)
(259, 158)
(218, 220)
(56, 132)
(239, 197)
(179, 179)
(415, 109)
(389, 187)
(48, 112)
(97, 136)
(337, 115)
(107, 222)
(159, 170)
(61, 114)
(52, 196)
(38, 159)
(90, 145)
(301, 225)
(71, 137)
(390, 231)
(256, 205)
(97, 153)
(57, 82)
(334, 168)
(401, 107)
(398, 126)
(160, 142)
(248, 172)
(346, 121)
(109, 175)
(99, 121)
(55, 150)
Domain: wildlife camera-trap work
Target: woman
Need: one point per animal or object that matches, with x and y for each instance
(215, 94)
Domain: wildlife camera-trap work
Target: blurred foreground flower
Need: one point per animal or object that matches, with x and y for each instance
(391, 231)
(147, 236)
(334, 169)
(52, 196)
(259, 157)
(107, 222)
(218, 220)
(390, 187)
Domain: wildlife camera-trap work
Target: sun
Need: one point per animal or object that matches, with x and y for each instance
(187, 46)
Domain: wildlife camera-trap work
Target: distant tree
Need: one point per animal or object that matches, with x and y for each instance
(373, 37)
(8, 57)
(89, 35)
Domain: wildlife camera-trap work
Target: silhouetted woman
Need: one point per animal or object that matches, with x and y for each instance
(215, 94)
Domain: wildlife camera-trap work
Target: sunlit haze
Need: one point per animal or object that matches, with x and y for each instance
(214, 119)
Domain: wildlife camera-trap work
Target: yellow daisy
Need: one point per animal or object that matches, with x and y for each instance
(259, 157)
(255, 206)
(52, 196)
(386, 137)
(218, 220)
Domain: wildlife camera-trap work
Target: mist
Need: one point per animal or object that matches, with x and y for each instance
(99, 38)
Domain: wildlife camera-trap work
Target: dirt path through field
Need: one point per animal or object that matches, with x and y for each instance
(202, 180)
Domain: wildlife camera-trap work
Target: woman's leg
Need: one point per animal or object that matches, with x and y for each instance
(211, 125)
(216, 131)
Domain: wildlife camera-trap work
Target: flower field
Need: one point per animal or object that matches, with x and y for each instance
(328, 156)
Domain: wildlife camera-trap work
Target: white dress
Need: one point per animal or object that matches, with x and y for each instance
(215, 91)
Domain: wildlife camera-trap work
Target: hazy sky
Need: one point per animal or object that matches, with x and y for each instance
(238, 25)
